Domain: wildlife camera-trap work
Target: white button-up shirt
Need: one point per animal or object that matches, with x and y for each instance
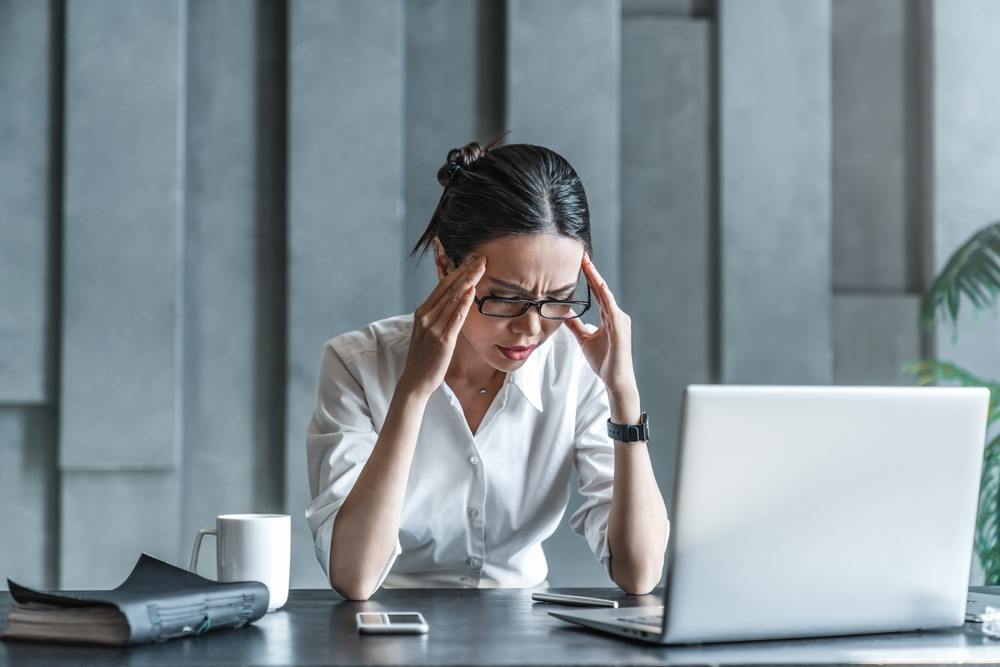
(477, 506)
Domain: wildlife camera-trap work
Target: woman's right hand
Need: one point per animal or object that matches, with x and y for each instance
(436, 324)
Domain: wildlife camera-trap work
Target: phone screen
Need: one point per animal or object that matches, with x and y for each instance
(405, 618)
(400, 622)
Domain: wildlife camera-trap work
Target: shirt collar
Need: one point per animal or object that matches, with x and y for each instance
(528, 379)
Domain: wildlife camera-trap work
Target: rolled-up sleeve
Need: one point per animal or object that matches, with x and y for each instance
(595, 463)
(339, 441)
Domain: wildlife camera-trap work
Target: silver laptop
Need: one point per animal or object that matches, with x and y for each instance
(816, 511)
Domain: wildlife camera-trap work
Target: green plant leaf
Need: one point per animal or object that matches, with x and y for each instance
(930, 371)
(988, 520)
(987, 534)
(973, 271)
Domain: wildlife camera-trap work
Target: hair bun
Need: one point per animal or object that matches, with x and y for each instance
(462, 158)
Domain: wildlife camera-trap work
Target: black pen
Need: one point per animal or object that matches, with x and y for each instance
(574, 600)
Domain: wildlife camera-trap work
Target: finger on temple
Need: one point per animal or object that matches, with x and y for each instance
(447, 305)
(452, 277)
(598, 290)
(604, 308)
(470, 275)
(596, 281)
(589, 267)
(452, 325)
(599, 287)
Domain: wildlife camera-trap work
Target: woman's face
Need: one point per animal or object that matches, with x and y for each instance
(531, 266)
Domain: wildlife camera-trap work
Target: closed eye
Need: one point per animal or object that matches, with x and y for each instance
(564, 297)
(561, 294)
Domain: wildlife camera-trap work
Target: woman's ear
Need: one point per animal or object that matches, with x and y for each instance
(441, 261)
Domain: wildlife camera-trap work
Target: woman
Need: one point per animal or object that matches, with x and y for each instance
(442, 444)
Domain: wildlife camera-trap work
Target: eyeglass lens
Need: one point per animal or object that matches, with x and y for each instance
(515, 307)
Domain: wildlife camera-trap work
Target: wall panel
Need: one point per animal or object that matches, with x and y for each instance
(120, 337)
(774, 97)
(122, 212)
(441, 114)
(667, 217)
(345, 206)
(874, 335)
(107, 519)
(871, 228)
(220, 271)
(28, 496)
(965, 167)
(564, 93)
(26, 212)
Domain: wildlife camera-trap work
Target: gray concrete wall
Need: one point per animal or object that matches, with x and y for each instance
(877, 218)
(123, 218)
(441, 113)
(667, 225)
(121, 315)
(965, 165)
(29, 496)
(200, 194)
(564, 92)
(30, 114)
(26, 216)
(228, 437)
(870, 230)
(774, 148)
(345, 230)
(454, 95)
(874, 335)
(219, 267)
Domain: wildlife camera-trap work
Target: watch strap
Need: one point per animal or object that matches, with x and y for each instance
(629, 432)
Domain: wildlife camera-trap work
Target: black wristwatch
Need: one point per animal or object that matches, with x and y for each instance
(629, 432)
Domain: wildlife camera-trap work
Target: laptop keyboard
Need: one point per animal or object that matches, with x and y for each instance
(644, 620)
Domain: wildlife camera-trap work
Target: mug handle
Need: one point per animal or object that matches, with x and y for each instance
(197, 547)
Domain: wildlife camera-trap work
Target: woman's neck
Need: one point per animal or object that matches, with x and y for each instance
(469, 370)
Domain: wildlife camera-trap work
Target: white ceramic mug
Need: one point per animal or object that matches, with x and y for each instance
(252, 547)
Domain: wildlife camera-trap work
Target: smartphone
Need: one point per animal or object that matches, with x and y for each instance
(392, 623)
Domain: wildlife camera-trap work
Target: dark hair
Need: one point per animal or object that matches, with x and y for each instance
(492, 193)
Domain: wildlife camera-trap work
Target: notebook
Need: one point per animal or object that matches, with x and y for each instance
(157, 602)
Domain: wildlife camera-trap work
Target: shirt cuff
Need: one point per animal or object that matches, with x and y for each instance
(592, 523)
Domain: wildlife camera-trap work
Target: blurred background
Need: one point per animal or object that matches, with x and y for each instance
(196, 194)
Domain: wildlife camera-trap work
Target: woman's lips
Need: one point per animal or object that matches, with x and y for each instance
(516, 353)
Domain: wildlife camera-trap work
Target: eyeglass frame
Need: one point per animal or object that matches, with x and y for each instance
(528, 303)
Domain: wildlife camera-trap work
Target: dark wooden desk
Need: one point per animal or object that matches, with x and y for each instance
(487, 627)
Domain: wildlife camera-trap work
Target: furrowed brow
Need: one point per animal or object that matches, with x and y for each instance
(520, 290)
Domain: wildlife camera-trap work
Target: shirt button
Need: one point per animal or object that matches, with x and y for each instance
(473, 511)
(474, 460)
(470, 561)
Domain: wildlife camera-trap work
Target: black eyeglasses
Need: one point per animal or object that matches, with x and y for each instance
(550, 310)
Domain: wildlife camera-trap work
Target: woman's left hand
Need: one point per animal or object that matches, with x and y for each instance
(637, 523)
(609, 348)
